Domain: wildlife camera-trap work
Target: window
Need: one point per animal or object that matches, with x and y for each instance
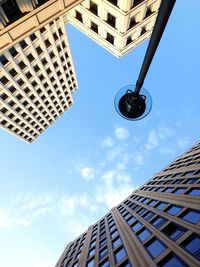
(33, 37)
(39, 50)
(110, 38)
(168, 189)
(132, 22)
(22, 65)
(23, 44)
(128, 40)
(91, 252)
(30, 57)
(148, 215)
(79, 16)
(174, 231)
(3, 96)
(152, 203)
(44, 61)
(114, 2)
(179, 190)
(155, 247)
(161, 205)
(90, 263)
(158, 221)
(173, 209)
(120, 254)
(143, 30)
(136, 226)
(94, 27)
(192, 216)
(192, 245)
(13, 51)
(102, 242)
(105, 263)
(116, 242)
(103, 253)
(93, 8)
(3, 60)
(111, 20)
(13, 72)
(12, 89)
(143, 234)
(42, 30)
(60, 31)
(114, 234)
(194, 192)
(172, 260)
(47, 43)
(36, 68)
(4, 80)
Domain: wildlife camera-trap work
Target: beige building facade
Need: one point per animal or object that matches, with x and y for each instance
(157, 225)
(37, 79)
(117, 25)
(21, 18)
(37, 75)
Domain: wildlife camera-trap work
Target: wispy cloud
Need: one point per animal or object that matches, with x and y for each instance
(152, 140)
(121, 133)
(87, 173)
(107, 142)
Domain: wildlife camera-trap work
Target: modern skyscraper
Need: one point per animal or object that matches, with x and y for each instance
(117, 25)
(37, 78)
(157, 225)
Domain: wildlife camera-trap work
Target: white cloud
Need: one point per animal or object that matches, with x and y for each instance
(121, 133)
(152, 140)
(138, 158)
(108, 177)
(87, 173)
(164, 131)
(107, 142)
(182, 142)
(166, 150)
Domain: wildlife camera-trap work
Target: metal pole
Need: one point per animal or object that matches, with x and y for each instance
(164, 12)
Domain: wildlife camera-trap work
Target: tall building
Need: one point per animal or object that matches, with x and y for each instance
(37, 75)
(21, 18)
(117, 25)
(37, 78)
(157, 225)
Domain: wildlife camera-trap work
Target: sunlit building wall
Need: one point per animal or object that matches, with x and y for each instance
(117, 25)
(37, 79)
(157, 225)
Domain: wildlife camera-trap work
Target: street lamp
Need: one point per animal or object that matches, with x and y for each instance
(134, 102)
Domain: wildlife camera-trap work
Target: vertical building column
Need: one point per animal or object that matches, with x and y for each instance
(3, 18)
(125, 5)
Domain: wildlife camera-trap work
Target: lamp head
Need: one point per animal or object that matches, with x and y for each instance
(131, 105)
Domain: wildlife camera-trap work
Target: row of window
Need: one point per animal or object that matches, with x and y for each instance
(189, 215)
(170, 229)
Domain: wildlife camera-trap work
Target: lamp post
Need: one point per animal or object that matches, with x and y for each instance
(134, 102)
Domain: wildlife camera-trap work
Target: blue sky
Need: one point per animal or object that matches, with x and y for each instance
(90, 159)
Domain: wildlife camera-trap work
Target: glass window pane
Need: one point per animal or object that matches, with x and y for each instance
(103, 253)
(116, 242)
(179, 191)
(194, 192)
(192, 245)
(144, 235)
(120, 254)
(155, 248)
(191, 216)
(90, 263)
(173, 210)
(172, 260)
(161, 206)
(136, 226)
